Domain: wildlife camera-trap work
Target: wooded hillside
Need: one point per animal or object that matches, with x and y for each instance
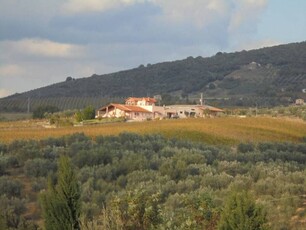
(267, 76)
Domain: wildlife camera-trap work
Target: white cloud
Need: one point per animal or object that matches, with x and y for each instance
(10, 70)
(246, 14)
(5, 92)
(256, 44)
(232, 15)
(42, 48)
(82, 6)
(134, 32)
(199, 12)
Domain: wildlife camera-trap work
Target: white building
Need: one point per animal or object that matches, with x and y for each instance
(144, 109)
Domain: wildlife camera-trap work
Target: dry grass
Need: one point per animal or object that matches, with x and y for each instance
(15, 116)
(227, 130)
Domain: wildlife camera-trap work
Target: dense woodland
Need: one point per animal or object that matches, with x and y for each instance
(266, 77)
(131, 181)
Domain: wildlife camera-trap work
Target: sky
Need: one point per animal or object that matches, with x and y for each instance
(42, 42)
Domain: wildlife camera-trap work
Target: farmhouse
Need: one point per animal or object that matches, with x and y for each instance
(299, 102)
(130, 112)
(140, 109)
(137, 109)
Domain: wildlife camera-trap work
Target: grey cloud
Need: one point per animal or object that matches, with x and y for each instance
(105, 41)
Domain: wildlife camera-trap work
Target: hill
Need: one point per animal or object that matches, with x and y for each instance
(267, 76)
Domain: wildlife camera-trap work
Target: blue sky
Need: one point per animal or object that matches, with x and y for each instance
(43, 42)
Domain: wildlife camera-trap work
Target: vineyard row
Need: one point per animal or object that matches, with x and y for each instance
(63, 103)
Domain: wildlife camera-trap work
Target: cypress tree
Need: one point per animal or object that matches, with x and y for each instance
(242, 213)
(61, 202)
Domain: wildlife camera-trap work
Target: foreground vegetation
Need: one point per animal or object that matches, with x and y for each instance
(131, 181)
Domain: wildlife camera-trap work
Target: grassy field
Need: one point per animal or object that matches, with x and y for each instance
(14, 116)
(224, 131)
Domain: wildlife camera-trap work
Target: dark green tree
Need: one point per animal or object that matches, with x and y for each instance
(242, 213)
(86, 114)
(2, 222)
(89, 113)
(61, 203)
(40, 111)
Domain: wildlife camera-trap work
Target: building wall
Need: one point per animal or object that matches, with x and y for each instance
(113, 113)
(185, 111)
(139, 116)
(147, 107)
(299, 102)
(144, 103)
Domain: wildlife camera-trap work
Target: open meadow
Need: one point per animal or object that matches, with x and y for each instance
(216, 131)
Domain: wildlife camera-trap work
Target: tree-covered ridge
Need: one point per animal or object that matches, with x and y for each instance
(131, 181)
(268, 76)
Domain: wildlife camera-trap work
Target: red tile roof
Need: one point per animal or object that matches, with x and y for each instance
(135, 99)
(127, 108)
(213, 109)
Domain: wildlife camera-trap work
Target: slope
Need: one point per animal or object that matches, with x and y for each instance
(273, 75)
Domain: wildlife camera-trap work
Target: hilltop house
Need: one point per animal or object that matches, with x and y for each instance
(140, 109)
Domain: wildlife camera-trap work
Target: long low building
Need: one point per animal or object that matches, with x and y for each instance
(140, 109)
(184, 111)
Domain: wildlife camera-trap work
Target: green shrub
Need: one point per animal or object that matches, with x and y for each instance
(86, 114)
(11, 212)
(39, 167)
(10, 187)
(242, 213)
(245, 147)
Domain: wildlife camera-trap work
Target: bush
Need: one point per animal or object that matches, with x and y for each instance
(3, 148)
(242, 213)
(9, 187)
(2, 167)
(89, 113)
(245, 147)
(86, 114)
(11, 211)
(7, 162)
(39, 167)
(39, 184)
